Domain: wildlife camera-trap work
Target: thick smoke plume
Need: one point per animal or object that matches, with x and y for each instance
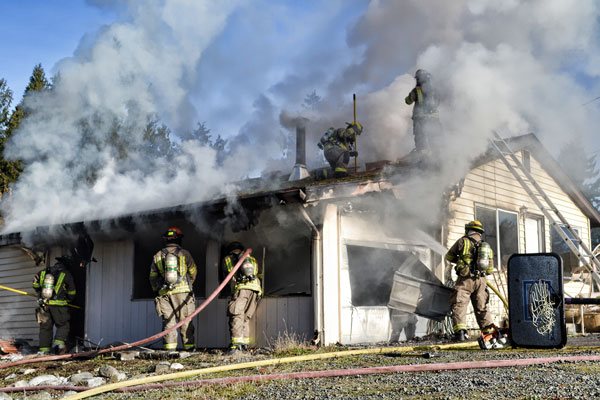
(513, 66)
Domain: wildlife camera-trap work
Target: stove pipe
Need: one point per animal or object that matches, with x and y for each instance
(300, 172)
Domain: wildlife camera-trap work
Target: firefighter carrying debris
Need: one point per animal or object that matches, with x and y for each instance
(172, 274)
(426, 124)
(55, 288)
(473, 259)
(245, 296)
(339, 145)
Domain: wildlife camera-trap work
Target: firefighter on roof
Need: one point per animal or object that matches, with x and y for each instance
(426, 124)
(473, 259)
(55, 288)
(246, 292)
(338, 146)
(172, 275)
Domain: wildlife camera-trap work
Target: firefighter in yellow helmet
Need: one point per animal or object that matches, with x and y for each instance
(427, 129)
(172, 275)
(338, 146)
(246, 292)
(55, 288)
(473, 259)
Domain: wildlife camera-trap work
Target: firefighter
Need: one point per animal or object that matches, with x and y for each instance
(427, 129)
(55, 288)
(246, 292)
(339, 145)
(473, 259)
(172, 275)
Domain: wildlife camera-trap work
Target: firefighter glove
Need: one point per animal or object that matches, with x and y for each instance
(354, 153)
(42, 302)
(320, 145)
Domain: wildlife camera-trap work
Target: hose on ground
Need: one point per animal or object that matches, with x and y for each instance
(328, 373)
(93, 353)
(263, 363)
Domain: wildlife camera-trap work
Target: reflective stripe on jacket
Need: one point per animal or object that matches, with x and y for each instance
(62, 291)
(467, 255)
(253, 284)
(187, 271)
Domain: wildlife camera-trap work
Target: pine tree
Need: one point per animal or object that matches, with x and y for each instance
(5, 103)
(11, 169)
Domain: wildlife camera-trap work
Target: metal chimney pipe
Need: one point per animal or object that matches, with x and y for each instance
(301, 142)
(300, 172)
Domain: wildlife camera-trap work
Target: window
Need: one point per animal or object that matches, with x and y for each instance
(283, 240)
(287, 266)
(501, 232)
(570, 262)
(372, 274)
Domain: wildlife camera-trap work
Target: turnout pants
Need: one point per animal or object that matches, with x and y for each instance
(338, 158)
(48, 317)
(240, 310)
(173, 308)
(471, 289)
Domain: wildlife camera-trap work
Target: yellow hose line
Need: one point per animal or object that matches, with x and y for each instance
(17, 291)
(263, 363)
(495, 290)
(30, 294)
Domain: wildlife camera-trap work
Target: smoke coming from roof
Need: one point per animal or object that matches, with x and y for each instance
(245, 68)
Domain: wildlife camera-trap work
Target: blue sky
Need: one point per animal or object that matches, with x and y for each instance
(42, 31)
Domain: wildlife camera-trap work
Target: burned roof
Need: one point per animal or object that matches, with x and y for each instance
(274, 188)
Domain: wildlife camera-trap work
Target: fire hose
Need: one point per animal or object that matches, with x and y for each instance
(261, 363)
(327, 373)
(93, 353)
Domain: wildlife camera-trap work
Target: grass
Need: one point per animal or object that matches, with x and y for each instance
(288, 344)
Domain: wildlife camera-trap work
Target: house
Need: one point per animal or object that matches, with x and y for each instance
(328, 249)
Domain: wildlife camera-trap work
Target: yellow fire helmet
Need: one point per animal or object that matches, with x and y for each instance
(475, 225)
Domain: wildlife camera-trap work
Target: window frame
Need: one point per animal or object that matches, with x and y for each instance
(497, 210)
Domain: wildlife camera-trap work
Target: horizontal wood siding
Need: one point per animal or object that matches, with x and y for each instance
(111, 315)
(17, 312)
(494, 186)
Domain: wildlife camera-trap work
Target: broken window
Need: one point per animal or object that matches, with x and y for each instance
(372, 274)
(286, 268)
(281, 242)
(501, 232)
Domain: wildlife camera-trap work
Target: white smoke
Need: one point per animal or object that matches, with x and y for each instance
(513, 66)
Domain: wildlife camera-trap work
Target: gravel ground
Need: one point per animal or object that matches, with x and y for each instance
(565, 380)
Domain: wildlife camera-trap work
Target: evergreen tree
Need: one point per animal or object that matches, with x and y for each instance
(5, 103)
(11, 169)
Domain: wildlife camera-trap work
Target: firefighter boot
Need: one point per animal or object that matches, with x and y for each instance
(234, 350)
(461, 336)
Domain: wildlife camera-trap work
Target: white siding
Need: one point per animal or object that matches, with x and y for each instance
(17, 312)
(344, 322)
(493, 185)
(112, 316)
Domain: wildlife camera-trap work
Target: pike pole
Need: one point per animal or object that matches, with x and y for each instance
(355, 142)
(29, 294)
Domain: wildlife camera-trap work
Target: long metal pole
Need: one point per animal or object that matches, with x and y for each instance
(355, 141)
